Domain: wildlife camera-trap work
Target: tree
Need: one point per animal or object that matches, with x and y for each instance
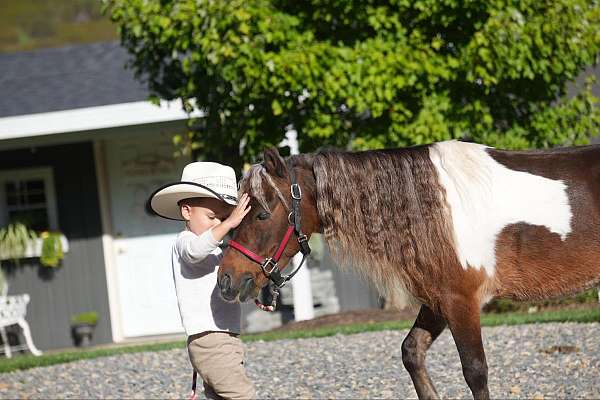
(368, 74)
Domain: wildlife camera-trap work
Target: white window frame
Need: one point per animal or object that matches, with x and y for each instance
(44, 173)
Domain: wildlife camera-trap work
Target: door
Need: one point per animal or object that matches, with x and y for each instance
(136, 167)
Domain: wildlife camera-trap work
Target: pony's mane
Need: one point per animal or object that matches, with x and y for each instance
(384, 212)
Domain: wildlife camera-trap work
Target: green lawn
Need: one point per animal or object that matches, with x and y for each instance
(572, 315)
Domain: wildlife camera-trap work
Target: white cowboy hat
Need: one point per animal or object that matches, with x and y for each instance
(198, 179)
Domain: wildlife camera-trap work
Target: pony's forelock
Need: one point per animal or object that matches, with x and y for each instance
(252, 183)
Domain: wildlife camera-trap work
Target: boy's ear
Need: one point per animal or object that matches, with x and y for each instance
(273, 163)
(184, 209)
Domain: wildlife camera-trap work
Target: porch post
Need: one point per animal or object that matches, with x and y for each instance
(107, 241)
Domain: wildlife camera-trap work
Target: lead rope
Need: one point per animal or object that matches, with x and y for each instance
(274, 295)
(193, 395)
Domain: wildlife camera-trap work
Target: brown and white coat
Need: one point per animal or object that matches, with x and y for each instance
(526, 223)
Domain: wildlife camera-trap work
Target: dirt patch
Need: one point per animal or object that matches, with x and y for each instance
(560, 349)
(350, 317)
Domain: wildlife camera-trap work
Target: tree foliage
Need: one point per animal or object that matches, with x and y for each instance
(370, 73)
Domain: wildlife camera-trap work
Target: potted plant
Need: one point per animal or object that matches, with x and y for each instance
(82, 327)
(15, 239)
(52, 249)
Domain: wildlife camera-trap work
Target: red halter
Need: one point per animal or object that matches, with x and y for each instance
(264, 262)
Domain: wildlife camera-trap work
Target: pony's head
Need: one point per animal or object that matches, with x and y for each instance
(262, 233)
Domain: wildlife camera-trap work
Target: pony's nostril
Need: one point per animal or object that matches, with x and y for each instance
(247, 280)
(246, 287)
(225, 282)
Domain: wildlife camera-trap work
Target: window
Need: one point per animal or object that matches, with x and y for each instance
(27, 196)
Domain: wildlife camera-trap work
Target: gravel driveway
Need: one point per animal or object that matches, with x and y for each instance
(549, 360)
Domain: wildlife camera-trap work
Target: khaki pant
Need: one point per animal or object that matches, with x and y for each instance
(219, 359)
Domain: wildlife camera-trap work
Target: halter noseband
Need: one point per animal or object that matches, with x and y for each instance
(269, 265)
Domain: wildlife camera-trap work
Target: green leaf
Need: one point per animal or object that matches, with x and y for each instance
(276, 107)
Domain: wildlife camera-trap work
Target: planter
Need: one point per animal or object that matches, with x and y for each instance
(34, 249)
(82, 333)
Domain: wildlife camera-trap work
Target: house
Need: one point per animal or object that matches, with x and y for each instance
(80, 151)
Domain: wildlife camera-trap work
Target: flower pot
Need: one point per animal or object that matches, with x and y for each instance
(82, 333)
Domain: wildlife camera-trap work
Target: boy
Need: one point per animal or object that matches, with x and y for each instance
(206, 199)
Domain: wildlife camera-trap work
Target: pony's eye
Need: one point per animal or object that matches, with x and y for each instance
(264, 215)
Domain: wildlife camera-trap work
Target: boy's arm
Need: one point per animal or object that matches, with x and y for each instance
(194, 248)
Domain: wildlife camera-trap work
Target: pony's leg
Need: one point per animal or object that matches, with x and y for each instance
(463, 315)
(426, 329)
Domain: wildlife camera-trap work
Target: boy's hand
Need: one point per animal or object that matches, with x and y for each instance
(238, 213)
(234, 219)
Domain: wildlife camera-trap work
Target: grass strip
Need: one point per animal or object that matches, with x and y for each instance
(29, 361)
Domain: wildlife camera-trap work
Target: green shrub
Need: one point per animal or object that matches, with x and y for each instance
(89, 318)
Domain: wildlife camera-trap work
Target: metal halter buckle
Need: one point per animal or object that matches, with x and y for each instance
(302, 238)
(304, 246)
(296, 191)
(266, 263)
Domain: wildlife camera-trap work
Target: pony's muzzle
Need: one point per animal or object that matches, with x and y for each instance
(230, 292)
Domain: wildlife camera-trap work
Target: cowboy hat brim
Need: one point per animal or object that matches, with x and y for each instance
(163, 202)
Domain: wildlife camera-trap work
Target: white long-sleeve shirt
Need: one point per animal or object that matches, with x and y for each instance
(195, 260)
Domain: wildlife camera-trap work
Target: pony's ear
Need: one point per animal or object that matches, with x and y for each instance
(273, 162)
